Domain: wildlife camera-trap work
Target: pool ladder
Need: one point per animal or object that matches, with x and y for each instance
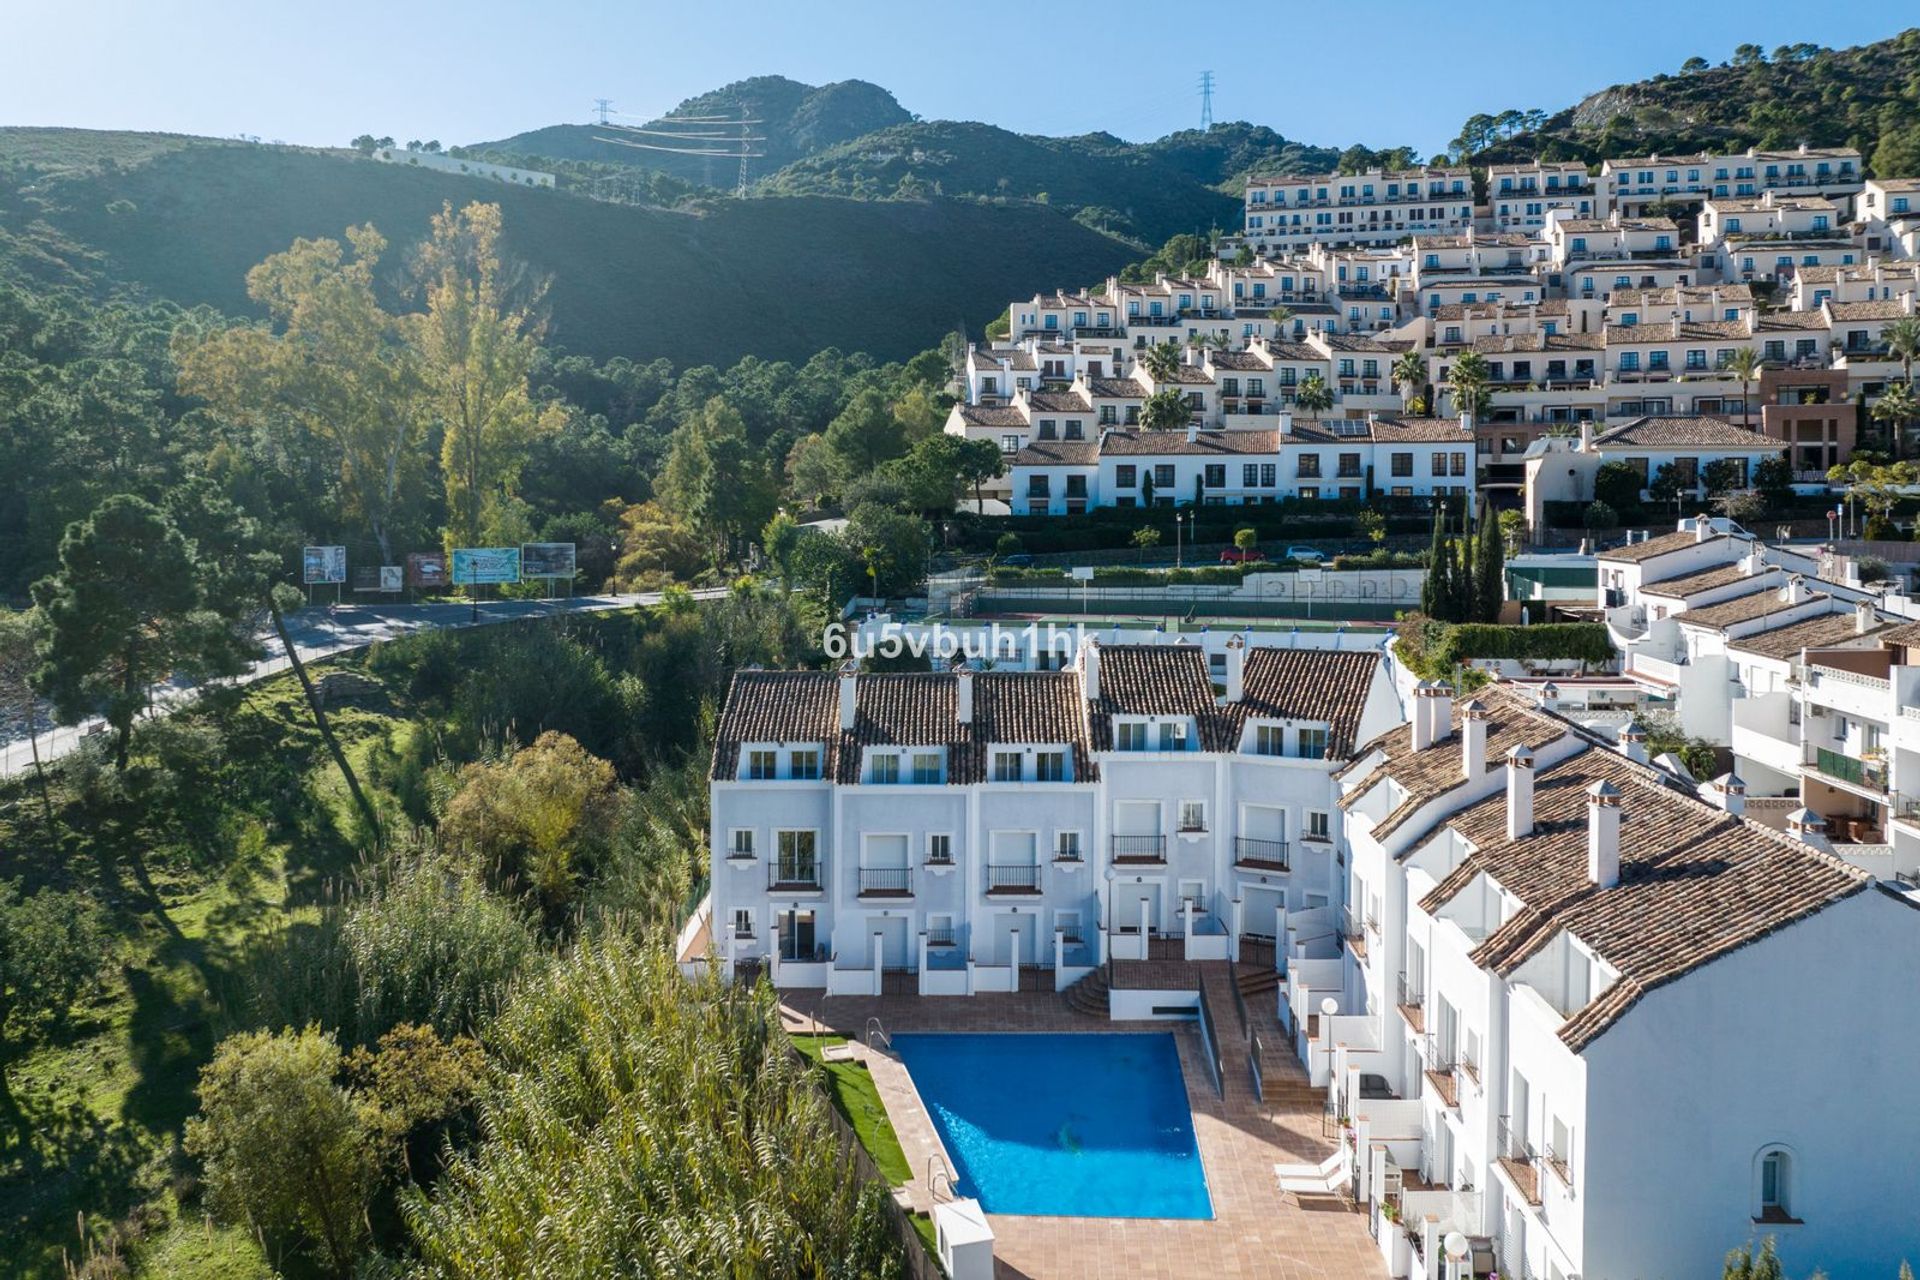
(877, 1032)
(936, 1176)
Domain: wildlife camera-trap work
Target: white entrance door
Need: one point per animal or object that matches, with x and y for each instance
(893, 931)
(1261, 912)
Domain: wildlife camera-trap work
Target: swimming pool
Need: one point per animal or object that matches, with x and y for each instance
(1087, 1126)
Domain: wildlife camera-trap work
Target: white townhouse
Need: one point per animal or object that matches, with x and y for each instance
(1775, 235)
(1563, 468)
(1556, 1019)
(1352, 458)
(1877, 281)
(949, 833)
(1594, 258)
(1522, 195)
(1888, 211)
(1285, 212)
(1633, 185)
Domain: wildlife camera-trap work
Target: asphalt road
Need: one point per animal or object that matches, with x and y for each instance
(318, 633)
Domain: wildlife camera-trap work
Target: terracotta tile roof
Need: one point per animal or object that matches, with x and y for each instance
(1155, 680)
(1695, 883)
(1425, 776)
(1728, 613)
(1117, 389)
(1688, 584)
(1420, 431)
(1058, 453)
(1058, 402)
(1825, 632)
(1129, 444)
(1296, 351)
(1305, 684)
(1504, 344)
(1236, 360)
(1907, 634)
(1789, 321)
(976, 415)
(907, 710)
(1885, 309)
(1635, 552)
(1702, 432)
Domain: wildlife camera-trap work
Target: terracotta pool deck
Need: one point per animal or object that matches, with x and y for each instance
(1255, 1231)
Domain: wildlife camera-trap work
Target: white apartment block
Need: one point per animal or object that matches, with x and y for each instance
(1889, 215)
(1354, 459)
(1285, 212)
(1773, 236)
(965, 832)
(1631, 186)
(1553, 1021)
(1563, 468)
(1521, 196)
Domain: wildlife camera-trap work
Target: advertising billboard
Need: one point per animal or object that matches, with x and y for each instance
(393, 578)
(476, 566)
(323, 565)
(546, 560)
(426, 569)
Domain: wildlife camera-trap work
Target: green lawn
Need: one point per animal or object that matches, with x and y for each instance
(855, 1096)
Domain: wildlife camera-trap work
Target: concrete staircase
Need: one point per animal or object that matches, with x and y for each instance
(1090, 995)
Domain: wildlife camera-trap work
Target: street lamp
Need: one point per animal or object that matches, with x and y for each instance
(1180, 518)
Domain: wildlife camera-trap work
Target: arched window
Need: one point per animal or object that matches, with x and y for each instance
(1774, 1188)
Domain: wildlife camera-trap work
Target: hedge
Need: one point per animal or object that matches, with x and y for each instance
(1433, 649)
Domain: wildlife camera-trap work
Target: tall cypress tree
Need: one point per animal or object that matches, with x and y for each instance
(1489, 570)
(1433, 590)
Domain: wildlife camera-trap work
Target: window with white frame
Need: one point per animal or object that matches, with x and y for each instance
(1006, 766)
(926, 766)
(805, 764)
(740, 842)
(761, 764)
(885, 768)
(1066, 846)
(1050, 766)
(939, 847)
(1318, 824)
(743, 922)
(1313, 743)
(1173, 736)
(1269, 740)
(1130, 737)
(1193, 815)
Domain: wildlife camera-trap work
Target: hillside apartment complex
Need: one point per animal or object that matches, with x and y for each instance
(1581, 298)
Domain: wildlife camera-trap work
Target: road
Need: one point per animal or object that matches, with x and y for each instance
(319, 634)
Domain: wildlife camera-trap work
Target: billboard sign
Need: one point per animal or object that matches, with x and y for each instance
(393, 578)
(547, 560)
(426, 569)
(476, 566)
(323, 565)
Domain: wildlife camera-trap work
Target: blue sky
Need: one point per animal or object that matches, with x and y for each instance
(1382, 72)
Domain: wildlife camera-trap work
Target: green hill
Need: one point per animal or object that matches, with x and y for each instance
(1867, 97)
(796, 120)
(776, 277)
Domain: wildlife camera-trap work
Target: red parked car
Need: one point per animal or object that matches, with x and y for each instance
(1234, 555)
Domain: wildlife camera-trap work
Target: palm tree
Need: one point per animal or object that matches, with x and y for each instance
(1903, 344)
(1409, 373)
(1165, 410)
(1280, 316)
(1467, 383)
(1745, 364)
(1162, 360)
(1314, 395)
(1895, 407)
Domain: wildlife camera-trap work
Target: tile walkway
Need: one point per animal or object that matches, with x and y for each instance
(1255, 1231)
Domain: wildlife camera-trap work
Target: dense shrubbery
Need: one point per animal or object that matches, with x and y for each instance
(1432, 649)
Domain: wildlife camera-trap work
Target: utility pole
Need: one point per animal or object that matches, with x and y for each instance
(601, 106)
(1206, 101)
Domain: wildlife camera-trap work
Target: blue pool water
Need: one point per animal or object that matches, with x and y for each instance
(1089, 1126)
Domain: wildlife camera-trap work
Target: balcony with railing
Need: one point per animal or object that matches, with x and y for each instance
(886, 882)
(1440, 1072)
(1353, 932)
(1013, 878)
(1411, 1000)
(1260, 855)
(793, 876)
(1139, 850)
(1517, 1159)
(1856, 693)
(1836, 768)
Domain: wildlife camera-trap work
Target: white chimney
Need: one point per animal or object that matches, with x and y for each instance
(1603, 834)
(849, 680)
(1473, 740)
(1286, 421)
(1586, 439)
(963, 696)
(1730, 793)
(1809, 828)
(1863, 619)
(1466, 422)
(1519, 792)
(1701, 529)
(1090, 668)
(1432, 713)
(1633, 741)
(1236, 668)
(1193, 431)
(1752, 563)
(1549, 696)
(1795, 592)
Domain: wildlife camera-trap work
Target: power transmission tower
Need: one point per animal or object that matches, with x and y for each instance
(601, 106)
(1206, 101)
(709, 137)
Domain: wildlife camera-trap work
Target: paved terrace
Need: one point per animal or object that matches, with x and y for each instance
(1255, 1231)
